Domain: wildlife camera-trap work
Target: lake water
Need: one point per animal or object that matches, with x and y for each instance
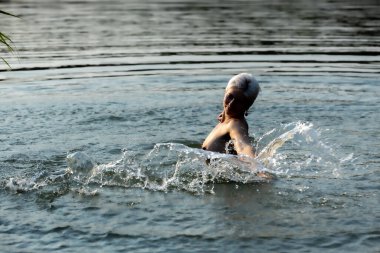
(108, 103)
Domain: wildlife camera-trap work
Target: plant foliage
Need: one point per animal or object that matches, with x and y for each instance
(5, 40)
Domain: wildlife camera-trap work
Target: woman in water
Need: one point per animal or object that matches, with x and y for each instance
(231, 134)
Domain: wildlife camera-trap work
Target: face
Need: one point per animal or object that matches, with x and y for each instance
(234, 103)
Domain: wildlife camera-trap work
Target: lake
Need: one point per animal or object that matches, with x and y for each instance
(108, 102)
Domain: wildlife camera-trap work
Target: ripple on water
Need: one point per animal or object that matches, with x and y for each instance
(93, 79)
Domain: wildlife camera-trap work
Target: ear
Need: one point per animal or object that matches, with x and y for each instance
(221, 117)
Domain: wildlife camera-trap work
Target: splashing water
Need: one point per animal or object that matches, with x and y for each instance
(176, 166)
(272, 147)
(173, 166)
(306, 155)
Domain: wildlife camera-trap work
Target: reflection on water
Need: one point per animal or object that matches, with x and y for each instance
(108, 103)
(154, 36)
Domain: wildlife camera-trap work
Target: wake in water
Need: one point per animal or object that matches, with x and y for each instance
(170, 166)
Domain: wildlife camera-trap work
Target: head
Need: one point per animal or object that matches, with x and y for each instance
(240, 93)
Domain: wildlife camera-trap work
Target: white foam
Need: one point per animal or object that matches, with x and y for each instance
(292, 149)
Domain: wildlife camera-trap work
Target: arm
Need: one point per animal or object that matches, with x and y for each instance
(239, 134)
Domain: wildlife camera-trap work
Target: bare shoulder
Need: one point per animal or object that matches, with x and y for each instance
(239, 125)
(240, 137)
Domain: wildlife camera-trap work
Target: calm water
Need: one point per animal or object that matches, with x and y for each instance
(108, 103)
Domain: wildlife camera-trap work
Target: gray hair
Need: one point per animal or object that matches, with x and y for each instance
(247, 83)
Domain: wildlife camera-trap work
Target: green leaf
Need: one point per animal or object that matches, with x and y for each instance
(9, 14)
(5, 36)
(4, 39)
(9, 66)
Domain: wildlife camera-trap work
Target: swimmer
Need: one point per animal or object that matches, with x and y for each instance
(231, 134)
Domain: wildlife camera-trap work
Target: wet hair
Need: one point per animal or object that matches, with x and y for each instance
(248, 84)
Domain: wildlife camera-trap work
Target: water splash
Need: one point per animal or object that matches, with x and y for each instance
(271, 148)
(306, 153)
(175, 166)
(294, 149)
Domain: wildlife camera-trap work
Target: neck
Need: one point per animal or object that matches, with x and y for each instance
(224, 117)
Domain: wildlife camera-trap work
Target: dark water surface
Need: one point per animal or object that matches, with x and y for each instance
(108, 103)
